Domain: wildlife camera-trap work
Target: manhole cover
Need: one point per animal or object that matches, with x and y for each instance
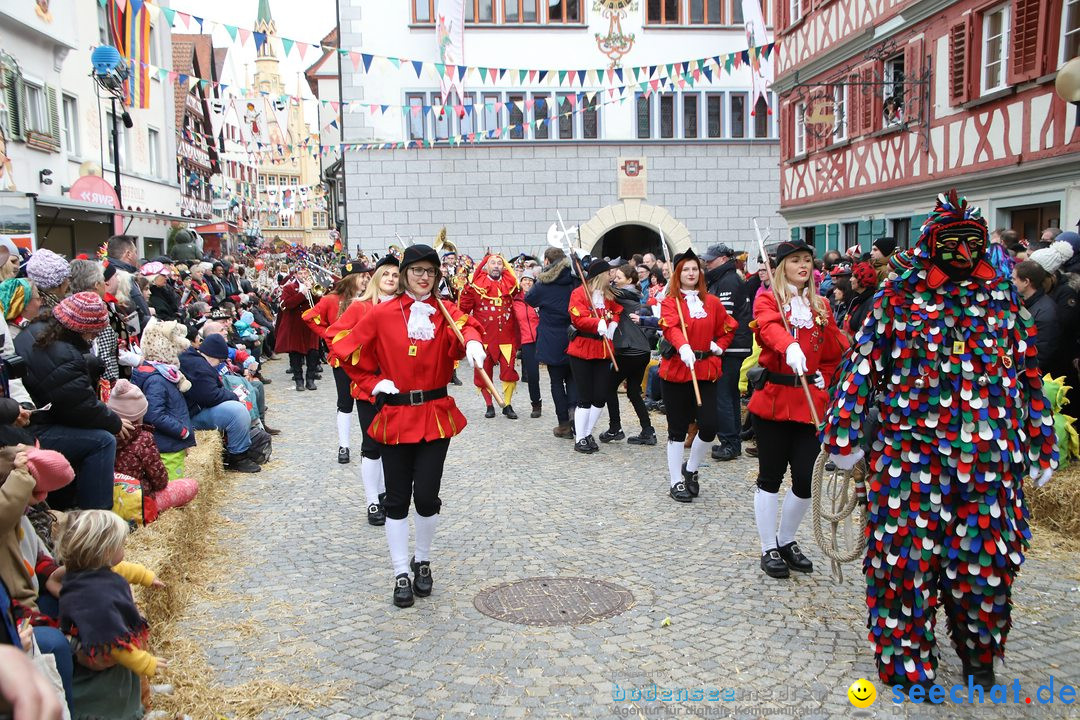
(553, 601)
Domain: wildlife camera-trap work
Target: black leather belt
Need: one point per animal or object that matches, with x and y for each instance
(702, 354)
(789, 380)
(413, 397)
(588, 336)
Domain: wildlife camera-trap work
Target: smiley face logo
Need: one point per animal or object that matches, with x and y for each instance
(862, 693)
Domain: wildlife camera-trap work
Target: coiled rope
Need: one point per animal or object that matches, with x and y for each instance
(839, 502)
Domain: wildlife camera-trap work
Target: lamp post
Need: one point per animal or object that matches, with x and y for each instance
(109, 71)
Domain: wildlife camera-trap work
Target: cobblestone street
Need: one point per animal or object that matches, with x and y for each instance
(519, 503)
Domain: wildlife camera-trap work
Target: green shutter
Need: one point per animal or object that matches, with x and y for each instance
(820, 240)
(13, 94)
(833, 241)
(794, 233)
(877, 228)
(865, 235)
(53, 111)
(916, 227)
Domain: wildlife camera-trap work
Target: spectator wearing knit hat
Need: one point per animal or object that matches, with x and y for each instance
(1030, 278)
(880, 252)
(62, 375)
(50, 273)
(1063, 287)
(864, 283)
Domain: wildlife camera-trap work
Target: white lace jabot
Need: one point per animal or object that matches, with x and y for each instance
(420, 325)
(798, 309)
(694, 304)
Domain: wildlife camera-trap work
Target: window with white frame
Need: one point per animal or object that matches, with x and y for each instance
(122, 131)
(762, 119)
(441, 116)
(1070, 31)
(690, 124)
(737, 115)
(467, 118)
(644, 116)
(714, 114)
(564, 11)
(667, 116)
(840, 105)
(800, 128)
(491, 112)
(892, 101)
(153, 139)
(415, 118)
(566, 117)
(516, 105)
(520, 11)
(590, 118)
(37, 112)
(71, 126)
(995, 48)
(795, 8)
(541, 114)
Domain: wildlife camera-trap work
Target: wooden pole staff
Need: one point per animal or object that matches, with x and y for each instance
(608, 348)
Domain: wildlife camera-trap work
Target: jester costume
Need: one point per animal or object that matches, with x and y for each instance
(947, 357)
(490, 301)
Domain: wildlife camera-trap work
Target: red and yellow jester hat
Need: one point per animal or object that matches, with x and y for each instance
(954, 240)
(505, 285)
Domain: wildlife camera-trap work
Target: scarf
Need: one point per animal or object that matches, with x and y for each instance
(694, 304)
(420, 326)
(798, 308)
(97, 607)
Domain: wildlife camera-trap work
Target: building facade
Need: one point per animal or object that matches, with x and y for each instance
(197, 152)
(324, 79)
(885, 103)
(687, 154)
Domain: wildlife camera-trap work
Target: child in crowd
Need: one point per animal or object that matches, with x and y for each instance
(163, 384)
(138, 456)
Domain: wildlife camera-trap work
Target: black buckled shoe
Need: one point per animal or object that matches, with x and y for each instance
(794, 558)
(647, 437)
(403, 591)
(592, 443)
(508, 411)
(583, 446)
(690, 479)
(490, 413)
(343, 455)
(612, 435)
(679, 493)
(774, 565)
(376, 515)
(422, 581)
(454, 379)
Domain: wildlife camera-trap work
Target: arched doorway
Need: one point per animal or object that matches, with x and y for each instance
(625, 241)
(643, 220)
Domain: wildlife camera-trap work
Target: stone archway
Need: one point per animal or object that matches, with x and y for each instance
(635, 212)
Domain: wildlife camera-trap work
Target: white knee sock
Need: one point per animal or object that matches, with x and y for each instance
(425, 533)
(581, 423)
(370, 473)
(382, 477)
(397, 537)
(697, 453)
(344, 426)
(791, 515)
(674, 461)
(594, 416)
(765, 504)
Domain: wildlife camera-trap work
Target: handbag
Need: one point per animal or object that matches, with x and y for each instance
(757, 376)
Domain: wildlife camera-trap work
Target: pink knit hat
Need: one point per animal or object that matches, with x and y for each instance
(50, 469)
(128, 401)
(83, 312)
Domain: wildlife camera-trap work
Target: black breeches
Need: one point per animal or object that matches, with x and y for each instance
(413, 472)
(781, 444)
(632, 370)
(592, 378)
(343, 384)
(682, 409)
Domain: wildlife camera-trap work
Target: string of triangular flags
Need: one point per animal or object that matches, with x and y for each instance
(484, 74)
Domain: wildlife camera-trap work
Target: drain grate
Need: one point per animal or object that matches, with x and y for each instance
(553, 601)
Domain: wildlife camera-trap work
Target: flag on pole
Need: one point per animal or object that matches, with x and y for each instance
(450, 38)
(761, 67)
(129, 31)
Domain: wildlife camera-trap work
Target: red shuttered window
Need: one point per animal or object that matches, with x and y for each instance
(1027, 41)
(959, 62)
(916, 97)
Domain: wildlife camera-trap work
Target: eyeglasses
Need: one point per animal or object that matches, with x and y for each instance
(419, 272)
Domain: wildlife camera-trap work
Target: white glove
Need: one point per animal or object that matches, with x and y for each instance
(601, 329)
(846, 462)
(475, 354)
(1041, 477)
(715, 349)
(687, 355)
(819, 380)
(385, 386)
(612, 327)
(301, 288)
(129, 358)
(796, 360)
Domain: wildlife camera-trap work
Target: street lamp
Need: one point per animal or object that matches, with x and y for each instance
(1067, 84)
(109, 71)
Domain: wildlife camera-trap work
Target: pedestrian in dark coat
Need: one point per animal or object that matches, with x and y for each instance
(723, 280)
(551, 298)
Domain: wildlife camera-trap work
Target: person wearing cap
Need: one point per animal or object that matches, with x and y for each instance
(405, 355)
(1064, 289)
(697, 330)
(880, 252)
(213, 407)
(342, 343)
(864, 285)
(1030, 278)
(164, 302)
(62, 374)
(782, 418)
(723, 280)
(293, 336)
(353, 282)
(50, 273)
(489, 297)
(527, 322)
(591, 350)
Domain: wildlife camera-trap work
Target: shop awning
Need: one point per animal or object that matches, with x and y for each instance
(87, 210)
(217, 228)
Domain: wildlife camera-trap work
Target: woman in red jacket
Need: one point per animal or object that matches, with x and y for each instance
(591, 351)
(406, 357)
(354, 280)
(527, 322)
(343, 343)
(779, 411)
(709, 330)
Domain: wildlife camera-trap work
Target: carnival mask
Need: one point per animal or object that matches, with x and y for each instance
(955, 238)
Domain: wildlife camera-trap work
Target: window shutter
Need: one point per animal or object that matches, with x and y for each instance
(960, 42)
(783, 8)
(865, 99)
(1026, 41)
(54, 113)
(916, 97)
(13, 93)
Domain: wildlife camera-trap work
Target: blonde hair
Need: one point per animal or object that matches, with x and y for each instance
(601, 282)
(91, 539)
(780, 282)
(371, 294)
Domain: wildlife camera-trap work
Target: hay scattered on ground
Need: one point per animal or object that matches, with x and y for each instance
(1055, 507)
(186, 547)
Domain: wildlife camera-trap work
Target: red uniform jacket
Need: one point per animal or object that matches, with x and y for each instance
(293, 335)
(824, 347)
(700, 333)
(343, 339)
(585, 321)
(323, 315)
(492, 304)
(527, 320)
(384, 344)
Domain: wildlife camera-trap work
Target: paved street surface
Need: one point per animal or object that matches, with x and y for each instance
(519, 503)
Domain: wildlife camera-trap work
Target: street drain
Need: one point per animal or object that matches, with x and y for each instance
(553, 601)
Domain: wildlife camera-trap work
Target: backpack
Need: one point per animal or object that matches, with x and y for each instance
(262, 445)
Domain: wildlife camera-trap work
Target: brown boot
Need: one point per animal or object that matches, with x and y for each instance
(563, 430)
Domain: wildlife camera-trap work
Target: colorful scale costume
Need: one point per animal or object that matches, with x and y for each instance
(948, 358)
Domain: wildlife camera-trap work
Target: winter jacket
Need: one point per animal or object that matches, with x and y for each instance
(857, 310)
(551, 298)
(1066, 296)
(1044, 315)
(138, 456)
(629, 338)
(206, 388)
(166, 411)
(16, 487)
(64, 374)
(165, 302)
(724, 282)
(527, 321)
(184, 249)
